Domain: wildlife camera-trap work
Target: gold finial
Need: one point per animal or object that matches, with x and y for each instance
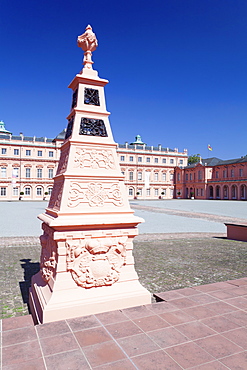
(88, 43)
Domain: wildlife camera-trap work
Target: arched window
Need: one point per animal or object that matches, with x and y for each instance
(243, 192)
(225, 192)
(217, 192)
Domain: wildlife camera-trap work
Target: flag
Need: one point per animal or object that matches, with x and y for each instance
(209, 147)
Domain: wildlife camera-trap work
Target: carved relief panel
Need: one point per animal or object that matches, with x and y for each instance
(94, 194)
(93, 158)
(48, 255)
(96, 262)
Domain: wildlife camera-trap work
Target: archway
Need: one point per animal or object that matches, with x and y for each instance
(225, 192)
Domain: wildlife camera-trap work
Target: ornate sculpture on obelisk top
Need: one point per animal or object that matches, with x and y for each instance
(86, 263)
(88, 43)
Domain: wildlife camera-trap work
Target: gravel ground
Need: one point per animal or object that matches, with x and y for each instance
(163, 262)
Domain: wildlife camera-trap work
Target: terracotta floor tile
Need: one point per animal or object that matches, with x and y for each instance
(183, 303)
(212, 287)
(137, 344)
(238, 317)
(74, 360)
(136, 312)
(238, 282)
(85, 322)
(177, 317)
(168, 296)
(221, 307)
(19, 353)
(200, 312)
(203, 298)
(189, 354)
(161, 307)
(188, 291)
(239, 291)
(219, 324)
(17, 322)
(36, 364)
(223, 294)
(18, 336)
(92, 336)
(52, 328)
(155, 361)
(167, 337)
(218, 346)
(236, 362)
(151, 323)
(119, 365)
(215, 365)
(103, 353)
(238, 336)
(59, 343)
(111, 317)
(195, 330)
(123, 329)
(239, 302)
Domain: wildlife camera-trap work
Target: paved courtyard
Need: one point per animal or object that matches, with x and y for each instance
(181, 247)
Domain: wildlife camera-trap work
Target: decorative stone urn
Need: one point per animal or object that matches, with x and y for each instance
(86, 264)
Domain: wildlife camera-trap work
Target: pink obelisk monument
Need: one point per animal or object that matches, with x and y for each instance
(86, 264)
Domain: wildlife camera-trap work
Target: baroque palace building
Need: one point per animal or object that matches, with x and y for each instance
(213, 178)
(28, 164)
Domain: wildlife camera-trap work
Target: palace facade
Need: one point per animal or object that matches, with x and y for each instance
(213, 178)
(28, 165)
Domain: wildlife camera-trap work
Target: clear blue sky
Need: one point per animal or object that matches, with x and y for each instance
(177, 69)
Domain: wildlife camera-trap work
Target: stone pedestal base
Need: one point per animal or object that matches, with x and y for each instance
(84, 273)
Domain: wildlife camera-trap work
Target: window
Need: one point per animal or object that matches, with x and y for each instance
(156, 192)
(156, 160)
(156, 176)
(164, 176)
(139, 191)
(39, 191)
(164, 191)
(148, 159)
(28, 152)
(186, 177)
(39, 173)
(131, 192)
(15, 172)
(39, 153)
(3, 191)
(178, 176)
(49, 191)
(199, 175)
(202, 192)
(163, 160)
(171, 161)
(139, 159)
(197, 192)
(27, 191)
(139, 176)
(224, 174)
(15, 191)
(28, 173)
(131, 160)
(3, 172)
(181, 161)
(16, 151)
(122, 158)
(241, 173)
(171, 192)
(190, 176)
(171, 176)
(232, 173)
(131, 176)
(51, 154)
(217, 174)
(148, 192)
(50, 173)
(4, 151)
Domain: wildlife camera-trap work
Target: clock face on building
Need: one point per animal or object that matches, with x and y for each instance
(91, 96)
